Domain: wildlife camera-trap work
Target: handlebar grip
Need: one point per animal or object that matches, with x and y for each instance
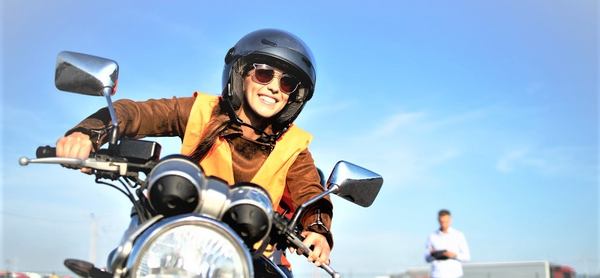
(45, 151)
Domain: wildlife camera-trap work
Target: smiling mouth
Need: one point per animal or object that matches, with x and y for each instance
(267, 100)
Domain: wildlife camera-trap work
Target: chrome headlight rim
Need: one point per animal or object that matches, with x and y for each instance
(245, 200)
(245, 193)
(178, 166)
(140, 246)
(117, 265)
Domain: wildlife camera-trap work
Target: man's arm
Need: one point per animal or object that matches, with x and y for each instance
(428, 249)
(463, 254)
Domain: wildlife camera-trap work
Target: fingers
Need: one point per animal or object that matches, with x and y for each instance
(85, 147)
(86, 170)
(315, 256)
(75, 145)
(320, 251)
(60, 146)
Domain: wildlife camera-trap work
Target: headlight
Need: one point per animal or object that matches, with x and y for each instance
(250, 213)
(175, 185)
(189, 246)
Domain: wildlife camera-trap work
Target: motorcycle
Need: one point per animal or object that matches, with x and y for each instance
(185, 223)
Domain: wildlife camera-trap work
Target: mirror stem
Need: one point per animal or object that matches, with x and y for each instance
(114, 132)
(334, 188)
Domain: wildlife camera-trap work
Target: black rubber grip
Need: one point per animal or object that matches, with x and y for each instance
(45, 151)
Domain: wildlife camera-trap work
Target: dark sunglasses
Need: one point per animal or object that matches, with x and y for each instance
(264, 74)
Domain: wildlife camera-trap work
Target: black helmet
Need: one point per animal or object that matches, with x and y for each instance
(279, 49)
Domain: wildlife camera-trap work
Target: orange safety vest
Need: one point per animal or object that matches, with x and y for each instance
(272, 174)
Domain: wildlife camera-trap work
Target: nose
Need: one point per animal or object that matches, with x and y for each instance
(273, 86)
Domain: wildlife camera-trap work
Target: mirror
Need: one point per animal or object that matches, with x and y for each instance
(354, 183)
(85, 74)
(322, 179)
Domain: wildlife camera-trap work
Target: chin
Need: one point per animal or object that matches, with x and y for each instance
(266, 115)
(266, 112)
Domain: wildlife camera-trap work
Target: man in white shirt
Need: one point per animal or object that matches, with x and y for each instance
(446, 249)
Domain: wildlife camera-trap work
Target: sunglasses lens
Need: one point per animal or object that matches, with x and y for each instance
(264, 76)
(288, 84)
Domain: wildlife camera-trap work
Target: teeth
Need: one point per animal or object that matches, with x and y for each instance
(267, 100)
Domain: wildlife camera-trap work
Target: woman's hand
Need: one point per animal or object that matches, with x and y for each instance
(75, 145)
(320, 251)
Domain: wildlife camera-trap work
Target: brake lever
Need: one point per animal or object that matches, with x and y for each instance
(109, 166)
(76, 162)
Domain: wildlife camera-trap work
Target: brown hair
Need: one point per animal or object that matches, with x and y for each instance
(218, 123)
(443, 212)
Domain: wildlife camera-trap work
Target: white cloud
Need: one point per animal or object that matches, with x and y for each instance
(397, 121)
(550, 161)
(408, 148)
(459, 119)
(507, 162)
(426, 124)
(444, 156)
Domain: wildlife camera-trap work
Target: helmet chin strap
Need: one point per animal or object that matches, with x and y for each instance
(264, 137)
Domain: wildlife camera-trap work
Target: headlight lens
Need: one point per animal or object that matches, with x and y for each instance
(191, 249)
(249, 213)
(175, 185)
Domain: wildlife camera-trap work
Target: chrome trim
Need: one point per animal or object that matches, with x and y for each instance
(251, 195)
(85, 74)
(166, 224)
(24, 161)
(117, 167)
(181, 167)
(354, 183)
(215, 199)
(114, 130)
(345, 171)
(255, 196)
(124, 249)
(349, 181)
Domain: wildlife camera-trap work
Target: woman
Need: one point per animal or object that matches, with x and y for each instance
(245, 135)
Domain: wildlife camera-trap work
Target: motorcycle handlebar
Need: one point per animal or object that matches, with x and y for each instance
(297, 241)
(45, 151)
(105, 167)
(130, 157)
(294, 239)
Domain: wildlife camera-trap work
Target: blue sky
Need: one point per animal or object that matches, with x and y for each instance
(487, 108)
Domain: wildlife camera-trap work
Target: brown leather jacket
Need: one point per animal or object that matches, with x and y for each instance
(168, 117)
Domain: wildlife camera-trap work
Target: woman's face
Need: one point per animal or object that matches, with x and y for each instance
(266, 100)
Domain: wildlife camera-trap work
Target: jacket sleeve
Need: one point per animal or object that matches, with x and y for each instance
(303, 182)
(154, 117)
